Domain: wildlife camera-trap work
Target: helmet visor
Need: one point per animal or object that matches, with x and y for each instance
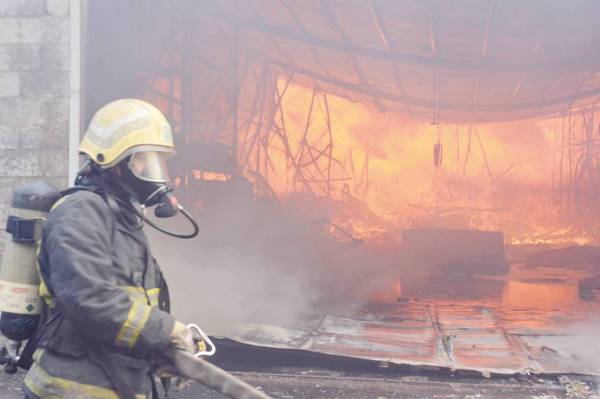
(150, 166)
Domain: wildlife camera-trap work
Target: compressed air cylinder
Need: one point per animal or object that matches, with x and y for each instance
(20, 302)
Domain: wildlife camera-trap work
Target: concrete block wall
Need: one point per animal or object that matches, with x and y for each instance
(34, 94)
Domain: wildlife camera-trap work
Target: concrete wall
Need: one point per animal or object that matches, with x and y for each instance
(34, 94)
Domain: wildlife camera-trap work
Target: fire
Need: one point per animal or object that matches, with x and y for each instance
(382, 171)
(377, 172)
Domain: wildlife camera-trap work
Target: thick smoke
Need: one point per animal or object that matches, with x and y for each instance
(266, 262)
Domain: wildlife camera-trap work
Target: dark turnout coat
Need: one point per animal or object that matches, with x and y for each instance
(102, 287)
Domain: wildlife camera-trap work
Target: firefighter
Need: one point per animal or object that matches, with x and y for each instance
(107, 322)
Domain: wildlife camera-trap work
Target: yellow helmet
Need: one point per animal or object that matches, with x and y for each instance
(124, 127)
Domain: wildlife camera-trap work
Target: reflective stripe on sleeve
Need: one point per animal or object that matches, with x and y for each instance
(136, 320)
(137, 293)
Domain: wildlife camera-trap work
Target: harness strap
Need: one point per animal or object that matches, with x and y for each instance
(22, 230)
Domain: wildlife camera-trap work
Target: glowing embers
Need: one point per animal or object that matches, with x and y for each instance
(210, 176)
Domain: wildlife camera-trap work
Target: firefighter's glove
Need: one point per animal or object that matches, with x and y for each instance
(182, 339)
(186, 339)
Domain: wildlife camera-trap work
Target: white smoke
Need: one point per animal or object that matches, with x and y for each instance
(263, 264)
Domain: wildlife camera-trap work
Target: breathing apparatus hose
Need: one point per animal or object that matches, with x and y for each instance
(176, 235)
(162, 191)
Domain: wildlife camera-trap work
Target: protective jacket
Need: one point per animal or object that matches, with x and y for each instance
(102, 287)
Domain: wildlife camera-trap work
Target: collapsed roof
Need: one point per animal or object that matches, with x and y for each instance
(449, 61)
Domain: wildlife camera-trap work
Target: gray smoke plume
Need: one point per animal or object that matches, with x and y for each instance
(583, 344)
(264, 262)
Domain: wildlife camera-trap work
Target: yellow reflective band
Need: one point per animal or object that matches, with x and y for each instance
(136, 320)
(44, 292)
(58, 203)
(123, 125)
(153, 295)
(137, 293)
(103, 129)
(45, 386)
(138, 313)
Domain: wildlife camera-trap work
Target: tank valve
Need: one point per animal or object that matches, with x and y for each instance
(13, 355)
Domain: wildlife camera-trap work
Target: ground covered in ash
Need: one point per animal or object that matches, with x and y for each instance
(346, 378)
(287, 383)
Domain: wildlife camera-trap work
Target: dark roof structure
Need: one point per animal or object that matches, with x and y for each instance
(450, 61)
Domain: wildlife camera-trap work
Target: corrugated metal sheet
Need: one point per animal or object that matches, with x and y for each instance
(458, 336)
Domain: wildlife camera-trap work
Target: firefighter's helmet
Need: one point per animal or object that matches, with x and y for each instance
(130, 127)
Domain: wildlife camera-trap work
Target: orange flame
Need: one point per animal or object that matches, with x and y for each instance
(491, 177)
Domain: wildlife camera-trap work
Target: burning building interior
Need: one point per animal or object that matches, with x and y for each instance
(438, 159)
(407, 183)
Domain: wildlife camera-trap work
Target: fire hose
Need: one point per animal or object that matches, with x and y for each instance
(194, 368)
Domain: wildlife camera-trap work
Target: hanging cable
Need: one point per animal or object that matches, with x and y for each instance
(438, 149)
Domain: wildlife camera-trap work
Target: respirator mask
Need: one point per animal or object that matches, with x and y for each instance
(145, 174)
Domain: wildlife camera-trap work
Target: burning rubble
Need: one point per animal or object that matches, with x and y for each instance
(475, 236)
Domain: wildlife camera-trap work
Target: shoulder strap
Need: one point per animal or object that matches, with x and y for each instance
(110, 201)
(74, 189)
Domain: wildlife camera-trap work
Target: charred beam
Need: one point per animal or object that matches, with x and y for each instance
(235, 94)
(385, 39)
(585, 79)
(452, 106)
(488, 28)
(305, 31)
(450, 62)
(432, 33)
(262, 20)
(555, 84)
(518, 86)
(379, 25)
(325, 10)
(330, 154)
(536, 49)
(485, 43)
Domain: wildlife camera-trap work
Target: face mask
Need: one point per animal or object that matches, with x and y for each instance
(167, 206)
(154, 193)
(164, 200)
